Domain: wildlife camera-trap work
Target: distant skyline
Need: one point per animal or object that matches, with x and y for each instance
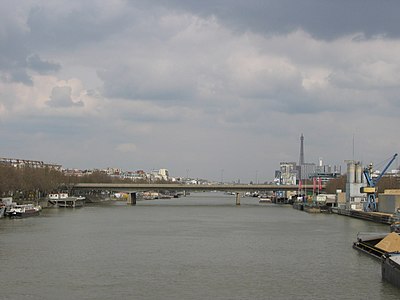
(197, 87)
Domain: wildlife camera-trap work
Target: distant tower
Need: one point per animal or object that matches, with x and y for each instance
(301, 161)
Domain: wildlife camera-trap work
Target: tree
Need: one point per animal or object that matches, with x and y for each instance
(336, 184)
(96, 177)
(388, 182)
(9, 180)
(32, 183)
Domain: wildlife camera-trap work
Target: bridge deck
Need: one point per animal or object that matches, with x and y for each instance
(187, 187)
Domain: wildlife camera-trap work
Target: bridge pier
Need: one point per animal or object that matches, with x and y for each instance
(237, 198)
(131, 199)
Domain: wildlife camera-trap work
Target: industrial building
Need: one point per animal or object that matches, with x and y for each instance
(389, 202)
(354, 198)
(362, 192)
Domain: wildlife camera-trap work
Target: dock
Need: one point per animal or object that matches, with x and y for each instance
(66, 201)
(70, 202)
(376, 217)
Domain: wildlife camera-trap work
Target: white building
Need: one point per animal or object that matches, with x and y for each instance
(288, 173)
(161, 174)
(164, 174)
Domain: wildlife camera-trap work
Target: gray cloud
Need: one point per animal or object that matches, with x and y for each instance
(61, 97)
(222, 80)
(41, 66)
(144, 81)
(71, 25)
(16, 57)
(323, 19)
(13, 54)
(16, 75)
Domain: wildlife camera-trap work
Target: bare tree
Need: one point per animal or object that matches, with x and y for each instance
(336, 184)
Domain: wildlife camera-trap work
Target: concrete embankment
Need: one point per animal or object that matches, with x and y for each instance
(368, 216)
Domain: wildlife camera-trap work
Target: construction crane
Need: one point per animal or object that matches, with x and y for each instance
(371, 188)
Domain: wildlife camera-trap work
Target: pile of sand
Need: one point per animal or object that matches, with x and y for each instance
(391, 243)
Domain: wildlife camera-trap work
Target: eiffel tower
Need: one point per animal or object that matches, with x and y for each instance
(301, 160)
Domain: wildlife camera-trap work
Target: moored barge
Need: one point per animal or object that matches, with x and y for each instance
(391, 268)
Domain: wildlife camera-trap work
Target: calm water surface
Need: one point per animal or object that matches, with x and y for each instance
(198, 247)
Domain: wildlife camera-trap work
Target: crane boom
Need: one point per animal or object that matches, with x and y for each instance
(386, 168)
(371, 189)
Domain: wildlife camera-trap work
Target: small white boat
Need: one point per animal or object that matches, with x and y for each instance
(5, 204)
(265, 200)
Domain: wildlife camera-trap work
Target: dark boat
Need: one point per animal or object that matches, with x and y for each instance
(378, 244)
(395, 227)
(366, 242)
(23, 211)
(391, 268)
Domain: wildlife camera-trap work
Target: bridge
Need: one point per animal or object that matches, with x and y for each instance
(133, 188)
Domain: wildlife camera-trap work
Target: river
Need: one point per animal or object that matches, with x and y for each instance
(198, 247)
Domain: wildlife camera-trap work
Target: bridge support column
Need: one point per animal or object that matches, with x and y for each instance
(131, 199)
(237, 198)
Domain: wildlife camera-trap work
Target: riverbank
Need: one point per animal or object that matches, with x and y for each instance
(376, 217)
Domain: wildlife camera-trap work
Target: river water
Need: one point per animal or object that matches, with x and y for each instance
(198, 247)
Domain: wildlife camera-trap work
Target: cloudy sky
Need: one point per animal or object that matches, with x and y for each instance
(209, 89)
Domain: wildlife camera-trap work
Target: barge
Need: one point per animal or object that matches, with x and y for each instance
(376, 217)
(385, 247)
(391, 268)
(377, 244)
(367, 243)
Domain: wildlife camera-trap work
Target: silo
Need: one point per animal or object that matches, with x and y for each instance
(350, 171)
(358, 173)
